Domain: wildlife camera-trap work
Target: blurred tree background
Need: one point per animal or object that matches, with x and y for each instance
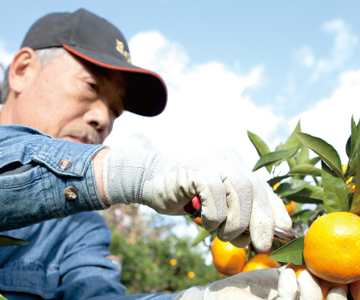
(153, 258)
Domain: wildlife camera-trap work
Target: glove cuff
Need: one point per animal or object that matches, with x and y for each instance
(125, 172)
(196, 292)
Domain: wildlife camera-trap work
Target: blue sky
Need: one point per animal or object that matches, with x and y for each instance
(230, 66)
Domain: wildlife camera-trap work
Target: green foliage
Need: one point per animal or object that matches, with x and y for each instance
(325, 151)
(273, 157)
(355, 205)
(203, 233)
(337, 195)
(10, 241)
(291, 252)
(309, 194)
(146, 264)
(260, 146)
(328, 187)
(302, 182)
(148, 249)
(291, 187)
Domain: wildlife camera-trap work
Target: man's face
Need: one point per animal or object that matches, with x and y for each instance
(72, 100)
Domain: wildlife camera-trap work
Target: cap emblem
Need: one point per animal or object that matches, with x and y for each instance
(120, 49)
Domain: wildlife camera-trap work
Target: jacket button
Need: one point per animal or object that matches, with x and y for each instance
(64, 164)
(70, 193)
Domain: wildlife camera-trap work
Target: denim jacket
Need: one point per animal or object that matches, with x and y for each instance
(33, 180)
(66, 258)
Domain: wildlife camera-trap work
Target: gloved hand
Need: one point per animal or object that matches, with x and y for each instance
(305, 287)
(251, 285)
(232, 196)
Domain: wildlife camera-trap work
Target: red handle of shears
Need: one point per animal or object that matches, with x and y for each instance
(193, 208)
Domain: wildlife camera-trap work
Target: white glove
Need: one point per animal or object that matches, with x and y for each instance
(251, 285)
(232, 197)
(305, 287)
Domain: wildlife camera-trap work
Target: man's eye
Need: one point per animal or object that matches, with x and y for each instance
(93, 86)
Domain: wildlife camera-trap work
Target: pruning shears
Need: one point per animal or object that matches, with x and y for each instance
(193, 208)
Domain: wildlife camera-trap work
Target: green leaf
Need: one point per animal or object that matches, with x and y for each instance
(355, 205)
(277, 179)
(291, 162)
(285, 200)
(278, 148)
(309, 194)
(291, 186)
(302, 216)
(272, 157)
(324, 150)
(352, 167)
(303, 155)
(355, 138)
(348, 147)
(293, 141)
(352, 137)
(203, 233)
(337, 195)
(305, 169)
(314, 160)
(291, 252)
(358, 131)
(298, 208)
(259, 145)
(10, 241)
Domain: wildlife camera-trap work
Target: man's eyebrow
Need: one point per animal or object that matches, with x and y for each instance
(96, 70)
(100, 72)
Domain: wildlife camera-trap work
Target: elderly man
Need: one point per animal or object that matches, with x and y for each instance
(65, 87)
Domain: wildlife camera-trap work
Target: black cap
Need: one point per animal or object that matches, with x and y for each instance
(94, 39)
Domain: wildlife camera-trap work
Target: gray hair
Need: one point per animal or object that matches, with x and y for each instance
(44, 56)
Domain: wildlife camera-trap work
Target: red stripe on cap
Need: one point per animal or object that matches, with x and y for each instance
(115, 68)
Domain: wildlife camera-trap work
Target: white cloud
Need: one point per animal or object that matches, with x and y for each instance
(206, 103)
(5, 56)
(306, 56)
(344, 45)
(330, 118)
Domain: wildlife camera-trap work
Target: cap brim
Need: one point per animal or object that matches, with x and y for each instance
(146, 91)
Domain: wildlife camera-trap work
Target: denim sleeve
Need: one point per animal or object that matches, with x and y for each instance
(33, 184)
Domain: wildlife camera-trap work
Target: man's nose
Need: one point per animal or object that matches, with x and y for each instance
(98, 116)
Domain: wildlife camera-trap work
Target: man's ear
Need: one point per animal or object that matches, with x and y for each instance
(23, 67)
